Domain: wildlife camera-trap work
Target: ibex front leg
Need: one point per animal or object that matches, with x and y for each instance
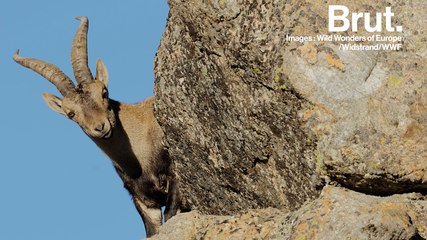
(172, 206)
(152, 217)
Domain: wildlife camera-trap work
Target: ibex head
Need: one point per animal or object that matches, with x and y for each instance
(87, 104)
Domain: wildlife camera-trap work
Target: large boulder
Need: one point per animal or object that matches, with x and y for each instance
(237, 141)
(337, 214)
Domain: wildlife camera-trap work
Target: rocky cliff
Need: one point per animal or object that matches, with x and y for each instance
(254, 121)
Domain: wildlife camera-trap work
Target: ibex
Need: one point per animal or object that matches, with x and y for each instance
(128, 134)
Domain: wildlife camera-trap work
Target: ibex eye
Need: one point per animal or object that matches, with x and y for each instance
(105, 93)
(71, 114)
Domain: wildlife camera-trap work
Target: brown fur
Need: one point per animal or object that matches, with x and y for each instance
(127, 133)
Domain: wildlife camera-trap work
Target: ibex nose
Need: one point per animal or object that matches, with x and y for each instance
(100, 127)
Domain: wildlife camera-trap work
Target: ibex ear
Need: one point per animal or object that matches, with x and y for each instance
(101, 72)
(54, 102)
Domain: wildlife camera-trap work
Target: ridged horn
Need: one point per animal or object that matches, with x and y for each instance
(49, 71)
(79, 52)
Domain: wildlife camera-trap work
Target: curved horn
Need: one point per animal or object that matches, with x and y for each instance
(79, 52)
(48, 71)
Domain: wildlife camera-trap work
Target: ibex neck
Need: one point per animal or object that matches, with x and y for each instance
(118, 147)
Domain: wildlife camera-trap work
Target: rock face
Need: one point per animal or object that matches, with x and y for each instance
(254, 121)
(337, 214)
(369, 110)
(234, 138)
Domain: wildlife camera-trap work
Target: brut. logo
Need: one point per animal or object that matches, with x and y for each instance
(355, 17)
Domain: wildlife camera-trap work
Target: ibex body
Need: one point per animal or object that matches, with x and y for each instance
(128, 134)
